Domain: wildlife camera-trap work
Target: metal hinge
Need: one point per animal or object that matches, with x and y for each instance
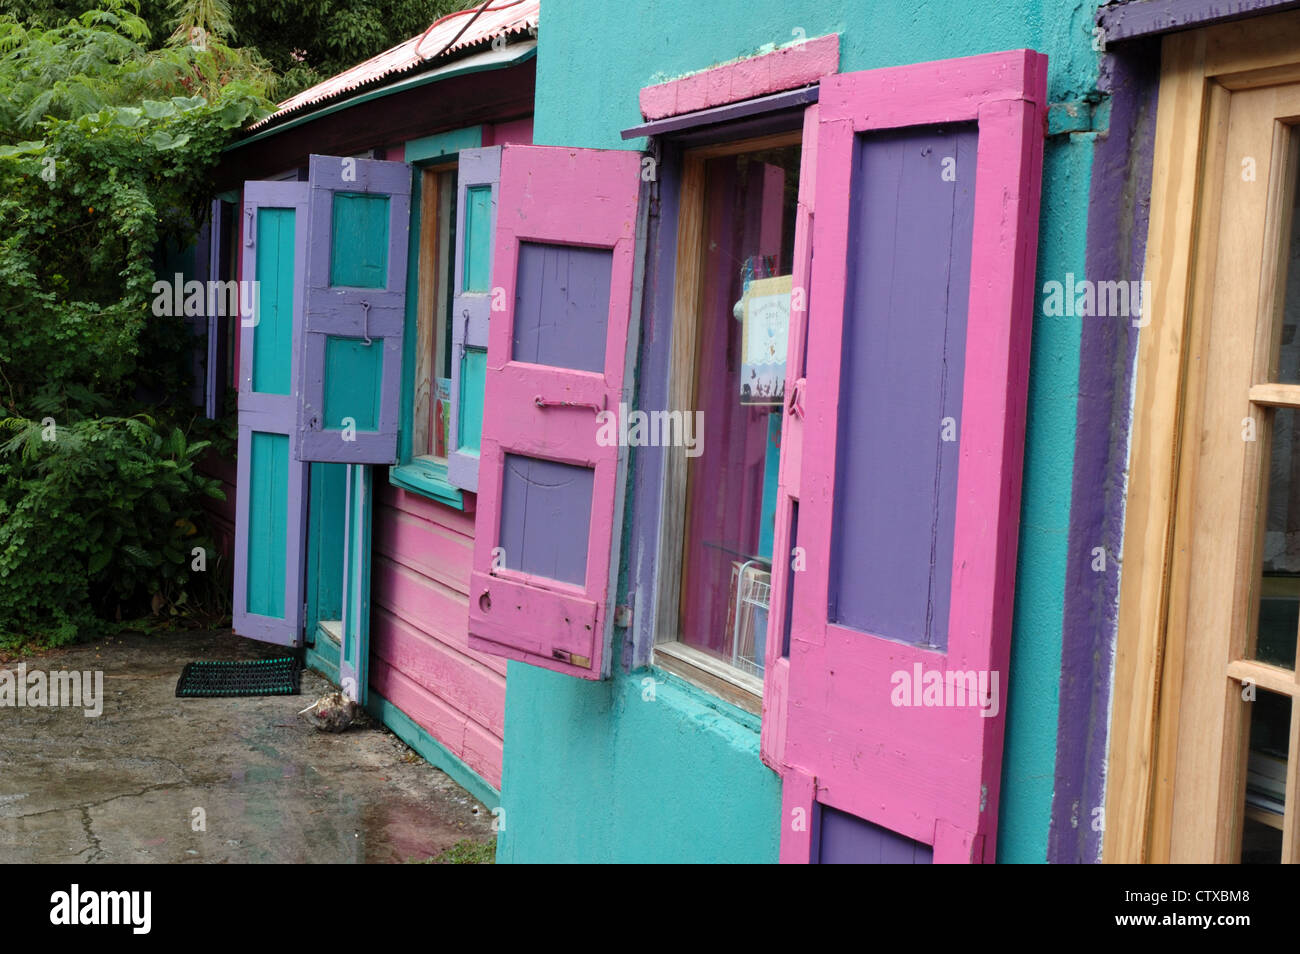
(623, 617)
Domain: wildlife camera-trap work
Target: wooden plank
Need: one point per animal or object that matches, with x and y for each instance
(1275, 395)
(1154, 449)
(1273, 678)
(460, 681)
(687, 294)
(427, 548)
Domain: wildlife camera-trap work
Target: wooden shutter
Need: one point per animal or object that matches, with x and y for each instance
(548, 490)
(355, 309)
(477, 181)
(270, 502)
(921, 305)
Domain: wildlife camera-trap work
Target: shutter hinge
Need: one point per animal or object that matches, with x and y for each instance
(623, 617)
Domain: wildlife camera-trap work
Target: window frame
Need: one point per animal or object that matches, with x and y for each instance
(714, 675)
(422, 473)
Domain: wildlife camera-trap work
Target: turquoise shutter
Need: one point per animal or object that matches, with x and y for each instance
(478, 179)
(271, 487)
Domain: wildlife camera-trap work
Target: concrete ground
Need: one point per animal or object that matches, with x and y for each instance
(124, 787)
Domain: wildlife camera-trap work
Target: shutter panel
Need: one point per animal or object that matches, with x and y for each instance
(563, 273)
(270, 502)
(776, 670)
(922, 303)
(477, 182)
(355, 311)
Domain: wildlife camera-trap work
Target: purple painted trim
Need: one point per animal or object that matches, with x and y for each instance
(271, 414)
(212, 367)
(721, 114)
(641, 520)
(469, 310)
(1117, 229)
(1123, 21)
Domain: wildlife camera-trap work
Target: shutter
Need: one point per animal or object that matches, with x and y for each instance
(922, 303)
(355, 310)
(477, 182)
(776, 670)
(563, 273)
(271, 495)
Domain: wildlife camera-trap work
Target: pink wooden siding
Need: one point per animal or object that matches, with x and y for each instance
(420, 658)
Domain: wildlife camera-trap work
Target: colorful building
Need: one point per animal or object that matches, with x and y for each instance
(781, 390)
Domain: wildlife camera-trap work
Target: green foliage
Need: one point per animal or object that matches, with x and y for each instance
(92, 184)
(106, 153)
(98, 519)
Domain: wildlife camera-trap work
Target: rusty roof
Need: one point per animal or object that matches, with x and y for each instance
(501, 18)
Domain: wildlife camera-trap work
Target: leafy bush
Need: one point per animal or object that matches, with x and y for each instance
(98, 520)
(106, 153)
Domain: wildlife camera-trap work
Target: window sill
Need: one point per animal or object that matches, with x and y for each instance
(712, 675)
(428, 477)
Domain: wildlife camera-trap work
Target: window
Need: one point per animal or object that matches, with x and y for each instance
(1205, 757)
(431, 416)
(731, 327)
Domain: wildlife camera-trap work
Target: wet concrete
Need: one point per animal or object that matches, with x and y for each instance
(133, 784)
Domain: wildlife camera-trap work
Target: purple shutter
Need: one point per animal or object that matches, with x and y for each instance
(479, 174)
(355, 310)
(270, 503)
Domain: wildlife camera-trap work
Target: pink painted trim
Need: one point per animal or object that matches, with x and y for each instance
(931, 774)
(787, 68)
(798, 817)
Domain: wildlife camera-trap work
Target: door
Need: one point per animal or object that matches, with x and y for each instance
(271, 488)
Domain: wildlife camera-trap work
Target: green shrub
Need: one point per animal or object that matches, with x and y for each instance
(99, 519)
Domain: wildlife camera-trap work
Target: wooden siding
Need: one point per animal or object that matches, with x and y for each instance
(420, 658)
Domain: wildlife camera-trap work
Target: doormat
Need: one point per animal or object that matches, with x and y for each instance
(253, 677)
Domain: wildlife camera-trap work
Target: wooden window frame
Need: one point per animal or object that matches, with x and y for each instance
(715, 676)
(1199, 68)
(436, 258)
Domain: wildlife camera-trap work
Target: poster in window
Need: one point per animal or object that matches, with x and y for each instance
(764, 339)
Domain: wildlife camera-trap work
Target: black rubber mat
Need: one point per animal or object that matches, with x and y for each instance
(253, 677)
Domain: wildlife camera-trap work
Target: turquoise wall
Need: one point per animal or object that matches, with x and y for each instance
(591, 771)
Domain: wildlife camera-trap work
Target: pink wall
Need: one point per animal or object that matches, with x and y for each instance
(419, 655)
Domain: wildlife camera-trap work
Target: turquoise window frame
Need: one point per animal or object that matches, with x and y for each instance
(423, 475)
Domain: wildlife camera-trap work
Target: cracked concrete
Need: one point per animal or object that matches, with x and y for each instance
(134, 784)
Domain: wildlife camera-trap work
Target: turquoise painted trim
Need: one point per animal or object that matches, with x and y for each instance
(419, 474)
(325, 517)
(443, 145)
(323, 656)
(273, 333)
(431, 750)
(1034, 677)
(428, 477)
(401, 87)
(473, 385)
(269, 495)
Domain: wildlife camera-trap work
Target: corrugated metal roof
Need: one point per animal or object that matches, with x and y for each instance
(501, 18)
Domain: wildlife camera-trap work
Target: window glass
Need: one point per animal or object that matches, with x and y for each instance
(733, 436)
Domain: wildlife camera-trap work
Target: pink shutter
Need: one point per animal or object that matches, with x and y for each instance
(776, 671)
(919, 326)
(557, 341)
